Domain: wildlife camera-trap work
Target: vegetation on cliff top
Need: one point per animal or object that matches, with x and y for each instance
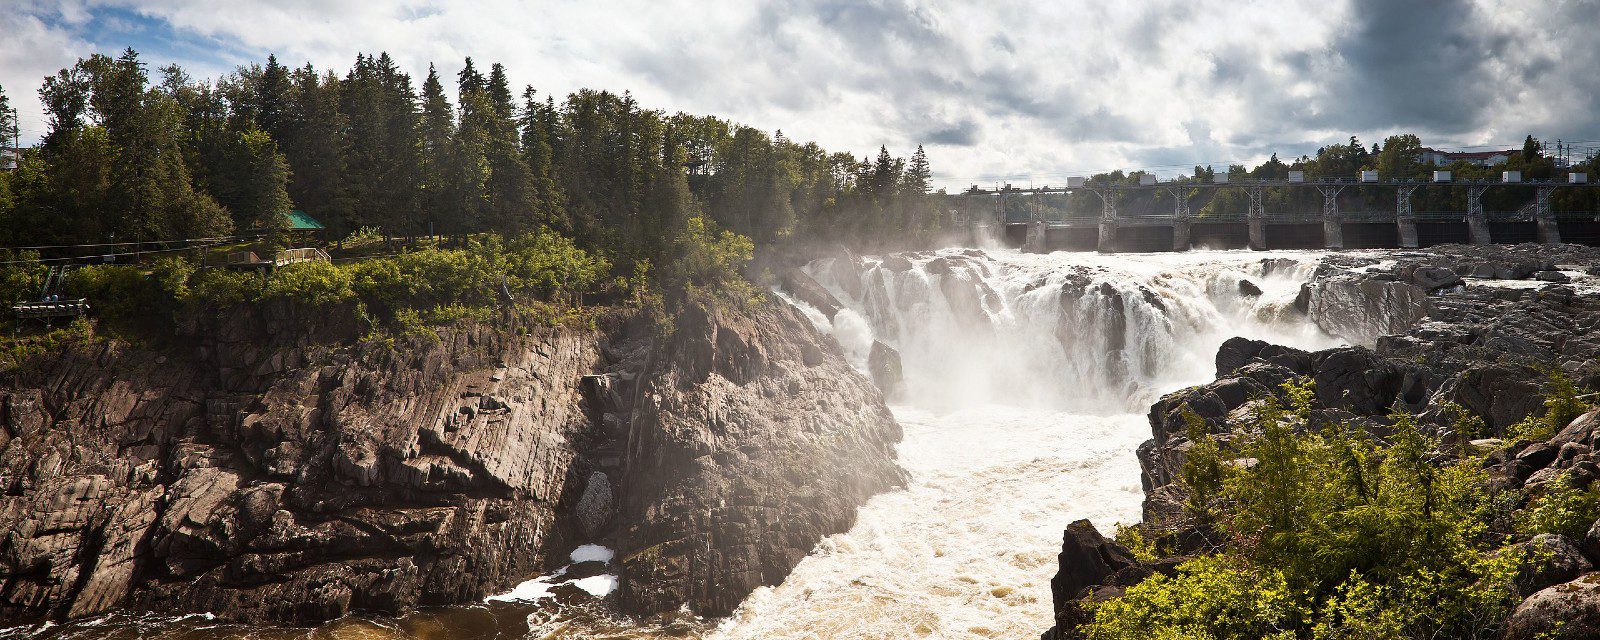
(1330, 531)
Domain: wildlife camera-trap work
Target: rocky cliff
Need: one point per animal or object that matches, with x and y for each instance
(1454, 326)
(278, 468)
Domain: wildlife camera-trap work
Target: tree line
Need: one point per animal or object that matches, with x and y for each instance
(130, 155)
(1397, 157)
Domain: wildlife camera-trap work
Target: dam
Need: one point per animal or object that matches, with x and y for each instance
(1115, 230)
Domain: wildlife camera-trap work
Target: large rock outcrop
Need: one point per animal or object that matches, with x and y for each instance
(273, 477)
(751, 439)
(277, 468)
(1451, 329)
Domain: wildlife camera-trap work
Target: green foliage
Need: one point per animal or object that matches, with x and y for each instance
(224, 288)
(542, 273)
(1203, 468)
(1210, 598)
(317, 283)
(1132, 536)
(1563, 508)
(1561, 406)
(21, 275)
(14, 351)
(1333, 532)
(709, 260)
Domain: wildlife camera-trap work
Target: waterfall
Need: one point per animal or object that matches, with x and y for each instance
(1083, 332)
(1026, 382)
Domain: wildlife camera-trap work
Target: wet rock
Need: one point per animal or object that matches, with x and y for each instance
(1248, 288)
(884, 364)
(1361, 309)
(743, 455)
(1434, 278)
(897, 263)
(596, 507)
(1551, 276)
(806, 289)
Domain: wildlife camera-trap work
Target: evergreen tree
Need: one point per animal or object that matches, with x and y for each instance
(919, 176)
(9, 126)
(314, 145)
(438, 153)
(272, 99)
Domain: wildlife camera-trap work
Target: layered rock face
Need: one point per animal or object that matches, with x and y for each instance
(751, 439)
(277, 478)
(1463, 326)
(279, 470)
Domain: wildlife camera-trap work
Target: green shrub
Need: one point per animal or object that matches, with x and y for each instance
(1211, 598)
(117, 292)
(710, 260)
(224, 288)
(1563, 508)
(317, 283)
(21, 276)
(1332, 532)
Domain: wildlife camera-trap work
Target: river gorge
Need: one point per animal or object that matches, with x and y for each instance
(1021, 385)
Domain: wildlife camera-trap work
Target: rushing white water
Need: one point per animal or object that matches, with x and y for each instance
(1021, 414)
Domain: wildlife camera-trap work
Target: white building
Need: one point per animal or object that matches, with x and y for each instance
(1479, 158)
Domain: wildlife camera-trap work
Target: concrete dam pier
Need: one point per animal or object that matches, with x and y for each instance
(1258, 228)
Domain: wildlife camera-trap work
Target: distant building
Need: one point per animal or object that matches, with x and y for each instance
(9, 159)
(1479, 158)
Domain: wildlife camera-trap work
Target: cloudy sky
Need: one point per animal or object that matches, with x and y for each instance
(997, 91)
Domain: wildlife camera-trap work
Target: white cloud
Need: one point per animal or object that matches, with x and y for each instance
(997, 90)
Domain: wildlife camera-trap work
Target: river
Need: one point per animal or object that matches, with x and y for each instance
(1027, 378)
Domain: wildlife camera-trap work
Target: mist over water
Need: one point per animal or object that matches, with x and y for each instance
(1017, 421)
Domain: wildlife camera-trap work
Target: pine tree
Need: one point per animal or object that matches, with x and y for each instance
(468, 81)
(438, 152)
(272, 99)
(538, 131)
(499, 89)
(9, 127)
(919, 176)
(314, 146)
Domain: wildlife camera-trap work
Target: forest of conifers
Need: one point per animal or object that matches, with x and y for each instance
(132, 154)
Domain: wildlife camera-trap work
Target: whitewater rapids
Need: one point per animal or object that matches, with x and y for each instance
(1017, 421)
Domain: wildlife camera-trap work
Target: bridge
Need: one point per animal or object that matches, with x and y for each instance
(1258, 228)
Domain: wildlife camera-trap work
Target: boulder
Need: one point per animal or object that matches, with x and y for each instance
(1548, 559)
(883, 362)
(1088, 562)
(806, 289)
(596, 506)
(1248, 288)
(1567, 611)
(897, 263)
(1435, 278)
(1551, 276)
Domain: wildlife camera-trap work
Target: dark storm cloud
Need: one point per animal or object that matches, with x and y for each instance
(1419, 63)
(958, 134)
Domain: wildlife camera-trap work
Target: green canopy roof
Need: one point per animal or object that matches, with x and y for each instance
(298, 220)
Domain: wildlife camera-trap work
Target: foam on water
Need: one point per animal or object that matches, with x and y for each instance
(1016, 422)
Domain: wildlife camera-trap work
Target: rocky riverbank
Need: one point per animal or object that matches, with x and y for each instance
(280, 468)
(1438, 332)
